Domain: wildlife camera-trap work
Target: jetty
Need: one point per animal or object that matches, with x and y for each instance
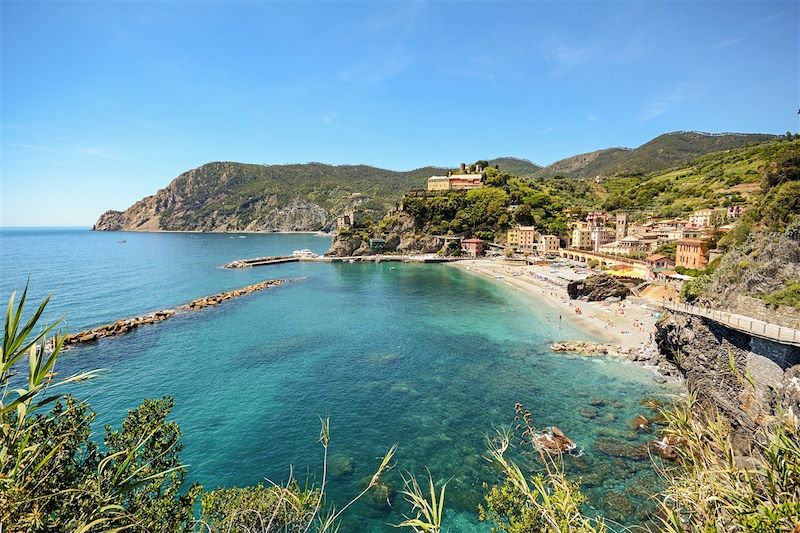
(123, 326)
(376, 258)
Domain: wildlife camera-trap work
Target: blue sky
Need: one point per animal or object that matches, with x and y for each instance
(104, 103)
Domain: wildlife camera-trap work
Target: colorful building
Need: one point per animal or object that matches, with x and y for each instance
(706, 218)
(528, 237)
(472, 247)
(601, 236)
(455, 182)
(581, 237)
(692, 253)
(659, 261)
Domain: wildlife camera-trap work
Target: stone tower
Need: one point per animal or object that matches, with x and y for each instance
(622, 226)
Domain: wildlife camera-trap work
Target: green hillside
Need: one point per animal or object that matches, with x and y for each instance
(515, 165)
(713, 180)
(663, 152)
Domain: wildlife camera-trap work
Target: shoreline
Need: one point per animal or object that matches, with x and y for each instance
(626, 324)
(319, 233)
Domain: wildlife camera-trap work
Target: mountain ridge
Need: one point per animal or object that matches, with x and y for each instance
(232, 196)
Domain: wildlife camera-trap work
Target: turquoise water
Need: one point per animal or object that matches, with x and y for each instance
(425, 356)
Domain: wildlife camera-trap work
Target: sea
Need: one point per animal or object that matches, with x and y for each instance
(427, 357)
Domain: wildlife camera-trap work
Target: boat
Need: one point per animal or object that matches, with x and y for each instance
(305, 252)
(122, 241)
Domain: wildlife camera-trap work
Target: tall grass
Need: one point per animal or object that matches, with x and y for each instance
(715, 490)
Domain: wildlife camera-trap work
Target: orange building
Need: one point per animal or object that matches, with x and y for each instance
(692, 253)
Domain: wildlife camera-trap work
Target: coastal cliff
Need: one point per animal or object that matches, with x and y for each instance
(747, 379)
(227, 196)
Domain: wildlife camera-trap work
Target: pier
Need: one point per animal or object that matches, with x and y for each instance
(378, 258)
(123, 326)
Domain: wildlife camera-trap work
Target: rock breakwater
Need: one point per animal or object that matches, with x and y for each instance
(123, 326)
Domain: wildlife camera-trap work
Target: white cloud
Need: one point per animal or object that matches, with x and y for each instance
(727, 43)
(329, 117)
(670, 98)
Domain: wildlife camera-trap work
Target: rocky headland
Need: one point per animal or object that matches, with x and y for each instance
(597, 287)
(398, 231)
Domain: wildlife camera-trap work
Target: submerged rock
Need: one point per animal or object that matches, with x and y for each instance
(618, 506)
(616, 448)
(341, 465)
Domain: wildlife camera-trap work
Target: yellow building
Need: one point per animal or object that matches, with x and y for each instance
(439, 183)
(708, 217)
(549, 244)
(582, 238)
(512, 238)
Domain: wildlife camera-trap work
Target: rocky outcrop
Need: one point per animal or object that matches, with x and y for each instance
(765, 263)
(121, 327)
(398, 230)
(596, 288)
(647, 355)
(746, 379)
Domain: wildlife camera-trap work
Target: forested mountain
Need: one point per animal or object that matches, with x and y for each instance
(228, 196)
(663, 152)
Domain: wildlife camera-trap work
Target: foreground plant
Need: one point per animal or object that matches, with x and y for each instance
(714, 490)
(545, 502)
(429, 509)
(285, 508)
(52, 476)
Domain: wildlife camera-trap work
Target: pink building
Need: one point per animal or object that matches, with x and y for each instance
(473, 247)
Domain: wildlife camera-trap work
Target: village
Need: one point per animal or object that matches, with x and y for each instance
(627, 244)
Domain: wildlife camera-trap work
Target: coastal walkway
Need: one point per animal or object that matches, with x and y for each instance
(742, 323)
(262, 261)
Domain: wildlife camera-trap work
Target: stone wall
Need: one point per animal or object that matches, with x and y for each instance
(756, 308)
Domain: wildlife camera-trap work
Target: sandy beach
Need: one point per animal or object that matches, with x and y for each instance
(625, 324)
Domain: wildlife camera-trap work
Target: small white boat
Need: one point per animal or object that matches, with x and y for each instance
(305, 252)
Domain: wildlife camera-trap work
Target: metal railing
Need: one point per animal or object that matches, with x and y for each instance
(752, 326)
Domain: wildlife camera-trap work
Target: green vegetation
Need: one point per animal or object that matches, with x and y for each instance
(225, 188)
(487, 212)
(789, 296)
(52, 477)
(663, 152)
(714, 490)
(718, 179)
(760, 250)
(514, 165)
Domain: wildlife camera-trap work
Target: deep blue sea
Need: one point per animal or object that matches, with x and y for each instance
(425, 356)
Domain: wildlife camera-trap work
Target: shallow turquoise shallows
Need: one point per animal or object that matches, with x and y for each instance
(424, 356)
